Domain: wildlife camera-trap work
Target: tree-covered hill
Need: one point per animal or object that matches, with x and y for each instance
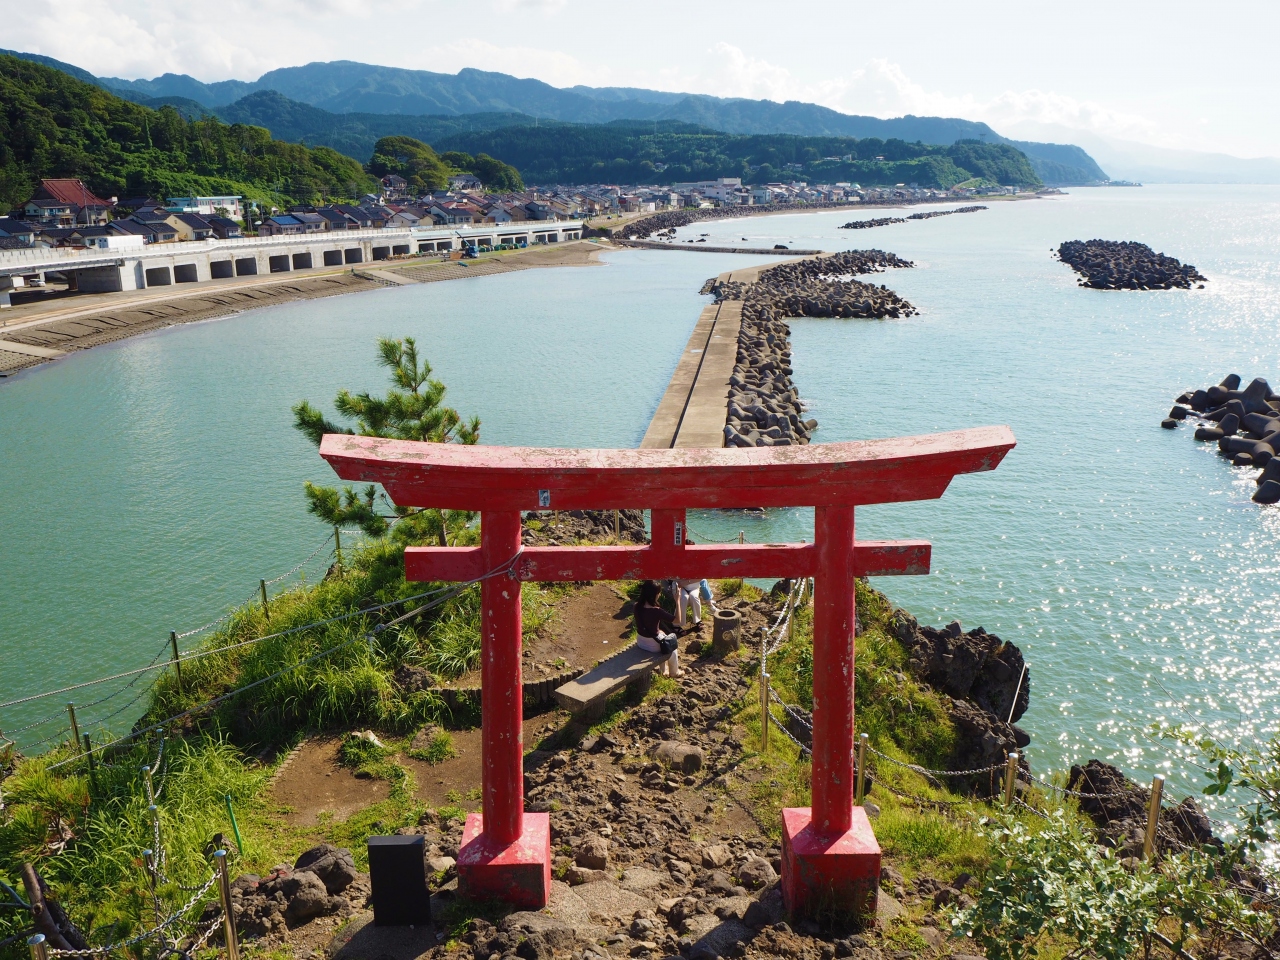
(351, 133)
(667, 152)
(54, 125)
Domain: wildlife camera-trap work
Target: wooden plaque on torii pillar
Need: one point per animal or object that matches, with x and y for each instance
(830, 856)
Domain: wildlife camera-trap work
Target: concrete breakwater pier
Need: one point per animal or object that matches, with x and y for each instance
(732, 385)
(693, 247)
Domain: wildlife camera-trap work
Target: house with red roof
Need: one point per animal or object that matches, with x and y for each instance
(65, 203)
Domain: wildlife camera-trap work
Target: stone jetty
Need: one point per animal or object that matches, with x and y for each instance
(867, 224)
(765, 409)
(886, 221)
(1244, 423)
(945, 213)
(1117, 265)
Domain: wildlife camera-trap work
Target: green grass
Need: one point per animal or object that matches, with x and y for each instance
(437, 751)
(87, 843)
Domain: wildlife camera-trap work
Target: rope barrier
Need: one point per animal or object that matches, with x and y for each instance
(925, 771)
(367, 637)
(703, 536)
(155, 931)
(285, 576)
(198, 654)
(1077, 793)
(213, 623)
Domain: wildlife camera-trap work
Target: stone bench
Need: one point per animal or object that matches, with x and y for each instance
(586, 695)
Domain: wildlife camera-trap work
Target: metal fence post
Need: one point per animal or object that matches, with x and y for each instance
(1010, 777)
(39, 947)
(177, 661)
(266, 607)
(228, 916)
(1153, 817)
(75, 727)
(149, 858)
(337, 545)
(764, 712)
(617, 525)
(860, 771)
(150, 785)
(93, 765)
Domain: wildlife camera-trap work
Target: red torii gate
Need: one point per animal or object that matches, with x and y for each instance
(830, 855)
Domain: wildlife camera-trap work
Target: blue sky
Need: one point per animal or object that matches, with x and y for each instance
(1175, 74)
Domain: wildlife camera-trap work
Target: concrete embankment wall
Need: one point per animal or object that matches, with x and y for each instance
(161, 265)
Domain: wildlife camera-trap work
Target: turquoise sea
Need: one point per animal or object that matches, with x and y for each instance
(150, 483)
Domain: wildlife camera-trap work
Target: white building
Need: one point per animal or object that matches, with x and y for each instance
(115, 242)
(207, 206)
(722, 189)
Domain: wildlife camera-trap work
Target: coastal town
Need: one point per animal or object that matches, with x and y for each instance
(67, 213)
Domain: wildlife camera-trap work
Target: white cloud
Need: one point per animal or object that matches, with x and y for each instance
(540, 6)
(883, 89)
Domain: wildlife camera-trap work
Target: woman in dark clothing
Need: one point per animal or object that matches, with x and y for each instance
(649, 636)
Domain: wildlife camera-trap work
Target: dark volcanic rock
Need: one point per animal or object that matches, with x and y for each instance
(976, 665)
(1118, 808)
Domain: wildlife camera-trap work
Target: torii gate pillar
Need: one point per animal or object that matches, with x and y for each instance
(831, 860)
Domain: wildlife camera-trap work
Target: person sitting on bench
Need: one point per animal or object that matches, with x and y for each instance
(649, 636)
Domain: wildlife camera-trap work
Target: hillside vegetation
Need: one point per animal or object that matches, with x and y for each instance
(53, 125)
(634, 152)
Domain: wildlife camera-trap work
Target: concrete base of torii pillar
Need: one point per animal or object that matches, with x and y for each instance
(829, 872)
(517, 873)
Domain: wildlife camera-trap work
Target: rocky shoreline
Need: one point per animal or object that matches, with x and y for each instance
(1126, 265)
(765, 409)
(1245, 425)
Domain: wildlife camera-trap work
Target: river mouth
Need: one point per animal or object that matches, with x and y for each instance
(152, 482)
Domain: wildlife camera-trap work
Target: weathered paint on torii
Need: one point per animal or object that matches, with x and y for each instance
(830, 856)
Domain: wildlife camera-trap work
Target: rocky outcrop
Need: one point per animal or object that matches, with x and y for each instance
(987, 683)
(1116, 265)
(1118, 808)
(322, 882)
(1244, 423)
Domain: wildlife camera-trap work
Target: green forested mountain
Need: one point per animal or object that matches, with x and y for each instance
(54, 125)
(425, 170)
(351, 133)
(630, 152)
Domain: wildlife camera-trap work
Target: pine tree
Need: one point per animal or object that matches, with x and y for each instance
(412, 410)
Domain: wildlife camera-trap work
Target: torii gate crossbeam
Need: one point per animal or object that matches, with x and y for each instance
(830, 856)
